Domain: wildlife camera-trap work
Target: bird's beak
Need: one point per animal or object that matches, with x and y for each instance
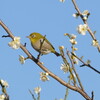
(28, 37)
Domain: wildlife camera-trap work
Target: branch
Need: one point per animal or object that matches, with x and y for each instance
(85, 64)
(67, 91)
(77, 89)
(92, 95)
(38, 98)
(77, 76)
(32, 95)
(4, 91)
(85, 22)
(67, 64)
(41, 44)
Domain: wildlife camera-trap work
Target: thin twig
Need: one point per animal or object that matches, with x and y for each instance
(85, 64)
(5, 36)
(24, 44)
(41, 44)
(67, 64)
(7, 97)
(92, 95)
(38, 98)
(77, 76)
(32, 95)
(67, 89)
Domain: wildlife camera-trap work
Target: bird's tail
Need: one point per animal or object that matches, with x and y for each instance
(57, 54)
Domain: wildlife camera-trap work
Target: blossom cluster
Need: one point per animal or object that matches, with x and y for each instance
(72, 38)
(4, 85)
(15, 44)
(84, 15)
(64, 68)
(44, 76)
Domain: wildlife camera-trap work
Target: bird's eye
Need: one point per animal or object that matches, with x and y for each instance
(33, 36)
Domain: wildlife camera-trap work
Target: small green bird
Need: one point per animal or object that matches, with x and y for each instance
(41, 44)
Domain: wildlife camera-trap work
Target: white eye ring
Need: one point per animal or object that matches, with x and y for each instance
(33, 36)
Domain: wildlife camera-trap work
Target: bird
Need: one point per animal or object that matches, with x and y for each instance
(41, 44)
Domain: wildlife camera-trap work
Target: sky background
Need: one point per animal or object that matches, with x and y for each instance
(51, 18)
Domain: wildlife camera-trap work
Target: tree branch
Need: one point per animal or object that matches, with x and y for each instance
(77, 76)
(85, 64)
(32, 95)
(85, 22)
(68, 65)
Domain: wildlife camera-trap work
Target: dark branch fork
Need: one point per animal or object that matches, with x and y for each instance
(85, 64)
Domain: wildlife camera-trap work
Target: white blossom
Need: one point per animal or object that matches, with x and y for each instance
(2, 97)
(75, 15)
(73, 36)
(15, 44)
(73, 41)
(4, 83)
(82, 29)
(61, 47)
(85, 12)
(21, 59)
(95, 43)
(37, 90)
(64, 68)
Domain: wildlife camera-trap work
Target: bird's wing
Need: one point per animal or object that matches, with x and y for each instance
(45, 40)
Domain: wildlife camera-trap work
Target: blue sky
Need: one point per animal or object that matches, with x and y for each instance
(51, 18)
